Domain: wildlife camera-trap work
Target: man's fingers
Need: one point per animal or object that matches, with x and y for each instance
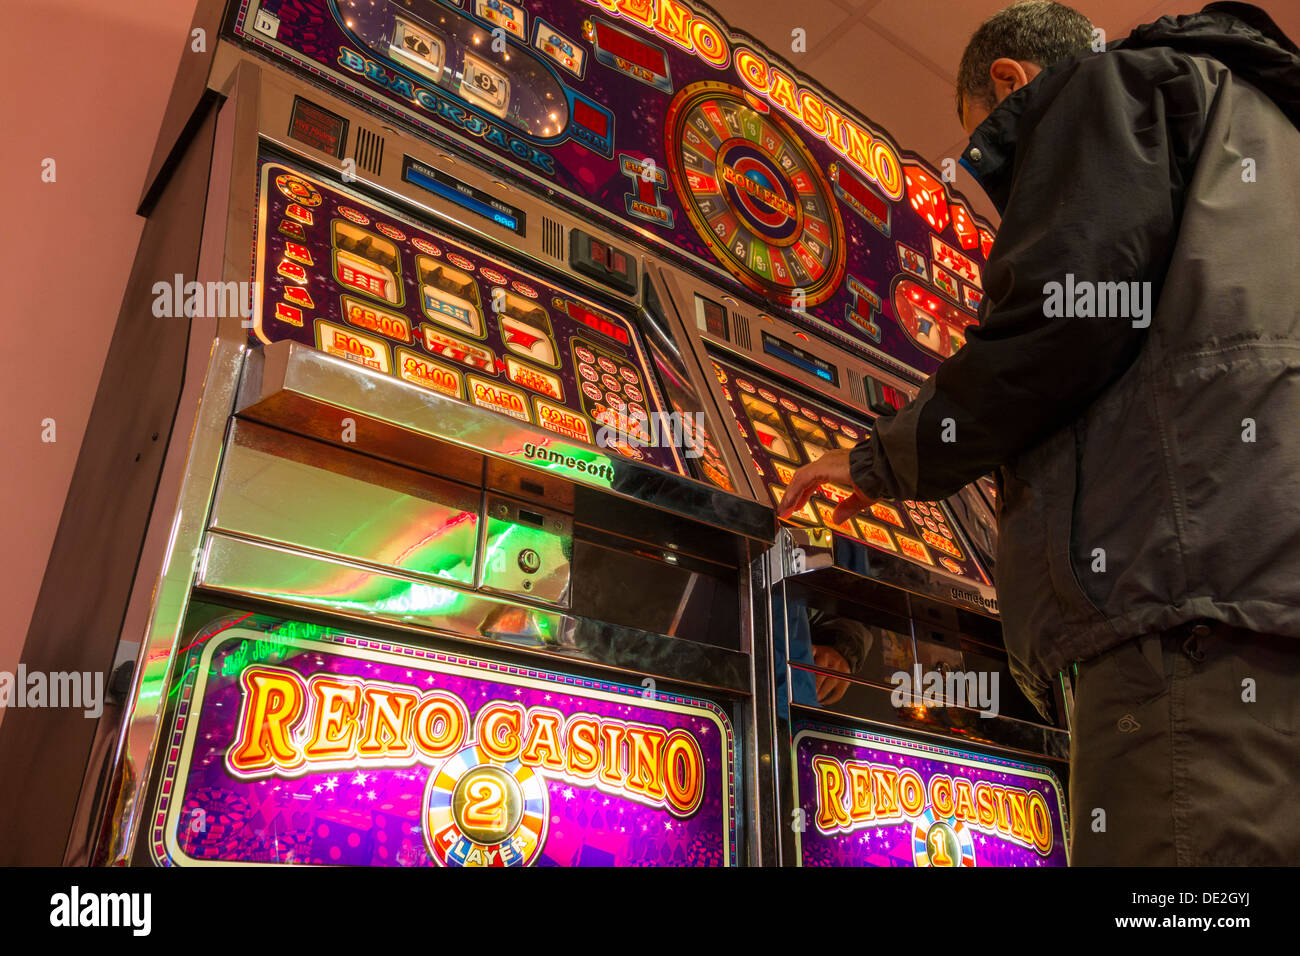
(854, 504)
(804, 482)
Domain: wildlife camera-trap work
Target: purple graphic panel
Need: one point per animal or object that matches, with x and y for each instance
(305, 746)
(875, 800)
(654, 117)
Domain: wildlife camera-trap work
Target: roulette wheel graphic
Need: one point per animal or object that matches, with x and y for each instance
(940, 842)
(754, 194)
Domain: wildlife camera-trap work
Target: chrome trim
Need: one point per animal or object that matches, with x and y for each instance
(422, 608)
(870, 704)
(289, 490)
(309, 392)
(819, 549)
(141, 725)
(226, 228)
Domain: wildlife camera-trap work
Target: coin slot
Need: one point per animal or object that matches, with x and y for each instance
(531, 517)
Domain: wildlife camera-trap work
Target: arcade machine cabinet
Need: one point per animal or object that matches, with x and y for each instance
(370, 530)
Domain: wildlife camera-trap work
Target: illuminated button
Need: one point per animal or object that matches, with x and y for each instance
(292, 271)
(601, 261)
(877, 401)
(885, 513)
(804, 515)
(287, 313)
(299, 296)
(914, 549)
(875, 534)
(298, 253)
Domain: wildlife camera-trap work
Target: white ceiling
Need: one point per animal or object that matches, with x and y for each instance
(896, 60)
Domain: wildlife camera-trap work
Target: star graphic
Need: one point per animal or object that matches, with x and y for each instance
(331, 783)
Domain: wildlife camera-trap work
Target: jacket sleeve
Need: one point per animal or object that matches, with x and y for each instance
(1095, 193)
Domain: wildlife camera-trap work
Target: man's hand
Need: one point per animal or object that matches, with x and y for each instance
(830, 689)
(831, 467)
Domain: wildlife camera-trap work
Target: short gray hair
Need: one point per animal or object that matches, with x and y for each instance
(1036, 31)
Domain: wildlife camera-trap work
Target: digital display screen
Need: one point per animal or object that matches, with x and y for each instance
(628, 48)
(318, 127)
(711, 317)
(865, 195)
(464, 195)
(592, 119)
(793, 355)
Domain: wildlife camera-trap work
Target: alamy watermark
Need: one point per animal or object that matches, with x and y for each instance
(682, 430)
(220, 300)
(977, 690)
(1082, 299)
(74, 909)
(82, 690)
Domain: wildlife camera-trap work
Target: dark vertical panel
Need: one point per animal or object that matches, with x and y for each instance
(190, 87)
(88, 579)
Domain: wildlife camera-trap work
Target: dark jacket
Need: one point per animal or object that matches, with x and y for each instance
(1151, 475)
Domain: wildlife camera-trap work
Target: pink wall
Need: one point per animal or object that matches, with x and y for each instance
(85, 84)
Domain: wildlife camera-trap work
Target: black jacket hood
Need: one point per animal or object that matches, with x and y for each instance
(1243, 38)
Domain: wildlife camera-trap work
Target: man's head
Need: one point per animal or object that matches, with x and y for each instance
(1010, 49)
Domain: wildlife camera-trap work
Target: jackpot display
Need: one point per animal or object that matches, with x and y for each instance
(304, 745)
(652, 117)
(876, 800)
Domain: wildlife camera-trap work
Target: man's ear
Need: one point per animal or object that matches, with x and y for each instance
(1009, 75)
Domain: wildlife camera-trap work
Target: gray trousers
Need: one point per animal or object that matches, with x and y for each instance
(1186, 751)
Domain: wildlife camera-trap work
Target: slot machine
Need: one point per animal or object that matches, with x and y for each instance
(494, 331)
(853, 272)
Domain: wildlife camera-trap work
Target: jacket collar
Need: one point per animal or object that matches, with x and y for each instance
(991, 153)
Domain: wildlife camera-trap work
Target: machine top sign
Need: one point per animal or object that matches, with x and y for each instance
(652, 115)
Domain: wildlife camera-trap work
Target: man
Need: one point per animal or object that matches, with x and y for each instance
(1135, 377)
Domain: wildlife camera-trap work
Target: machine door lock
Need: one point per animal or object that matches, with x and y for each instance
(526, 551)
